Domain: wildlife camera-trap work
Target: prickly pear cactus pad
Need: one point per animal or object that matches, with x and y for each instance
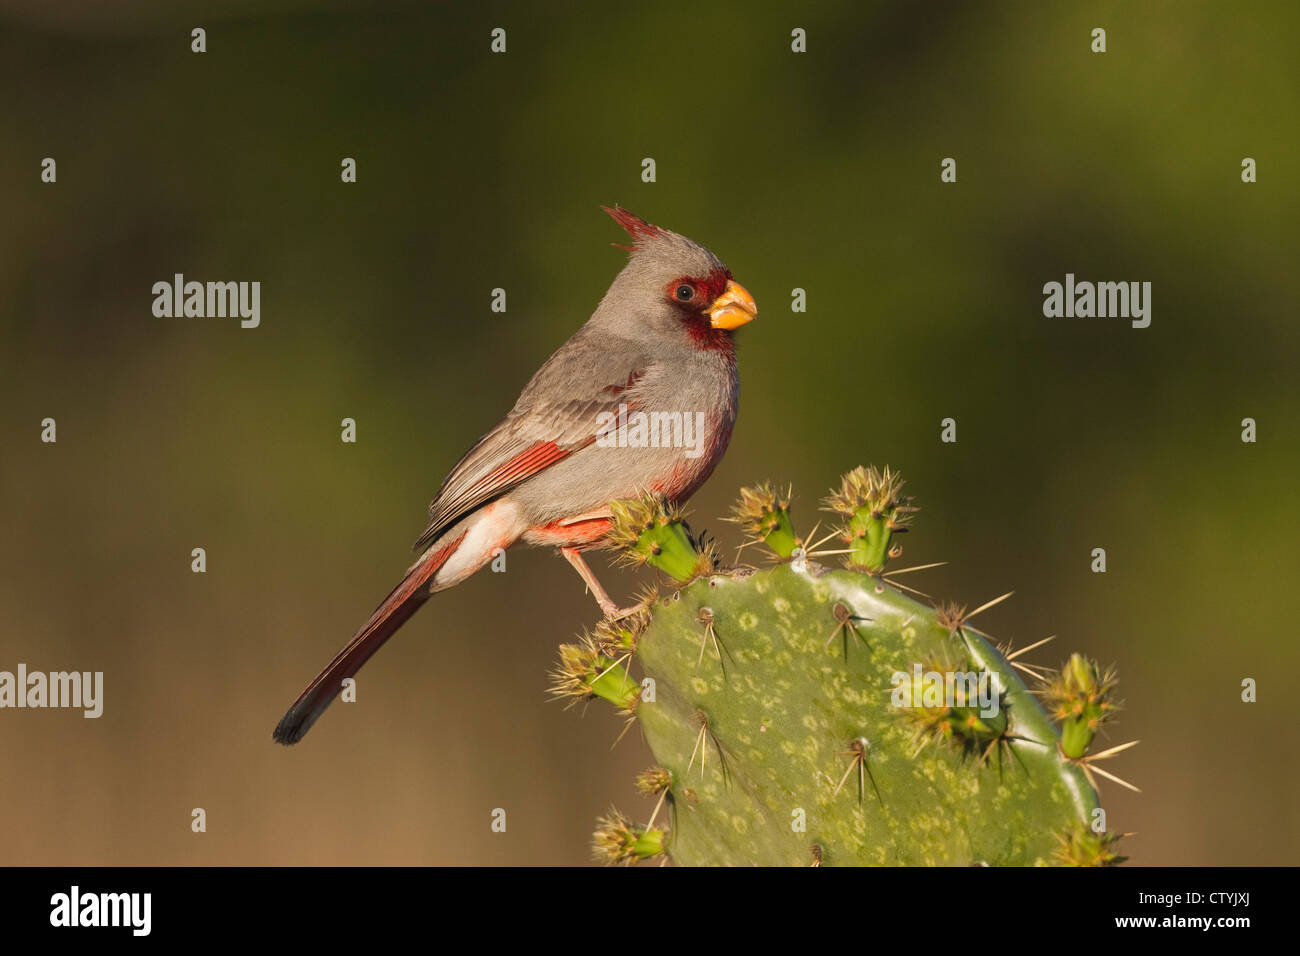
(777, 720)
(803, 715)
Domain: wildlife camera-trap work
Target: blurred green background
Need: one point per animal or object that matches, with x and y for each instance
(818, 171)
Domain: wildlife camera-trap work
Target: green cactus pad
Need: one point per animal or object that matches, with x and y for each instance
(801, 715)
(783, 714)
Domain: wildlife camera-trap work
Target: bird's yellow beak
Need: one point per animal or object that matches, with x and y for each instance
(733, 308)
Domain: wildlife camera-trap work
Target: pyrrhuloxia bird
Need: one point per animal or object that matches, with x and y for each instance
(659, 341)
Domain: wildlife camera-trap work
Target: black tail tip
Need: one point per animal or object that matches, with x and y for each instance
(291, 729)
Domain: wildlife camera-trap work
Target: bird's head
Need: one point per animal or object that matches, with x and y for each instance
(674, 287)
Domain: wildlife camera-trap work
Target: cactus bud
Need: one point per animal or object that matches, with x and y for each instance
(648, 531)
(1079, 846)
(875, 510)
(1079, 698)
(584, 672)
(766, 516)
(617, 841)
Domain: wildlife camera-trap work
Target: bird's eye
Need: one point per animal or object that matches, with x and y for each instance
(685, 292)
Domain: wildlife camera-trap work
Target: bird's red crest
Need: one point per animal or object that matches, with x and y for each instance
(636, 227)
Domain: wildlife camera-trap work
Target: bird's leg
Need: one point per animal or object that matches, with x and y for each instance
(610, 609)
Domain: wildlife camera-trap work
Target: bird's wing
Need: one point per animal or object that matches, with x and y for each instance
(555, 417)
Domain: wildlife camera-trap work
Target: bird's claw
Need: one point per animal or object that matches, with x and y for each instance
(613, 613)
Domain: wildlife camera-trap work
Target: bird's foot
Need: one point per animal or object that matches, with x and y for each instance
(613, 613)
(611, 610)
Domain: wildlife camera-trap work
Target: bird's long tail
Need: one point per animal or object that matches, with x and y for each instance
(395, 610)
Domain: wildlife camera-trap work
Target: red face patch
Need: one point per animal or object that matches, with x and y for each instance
(697, 293)
(692, 296)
